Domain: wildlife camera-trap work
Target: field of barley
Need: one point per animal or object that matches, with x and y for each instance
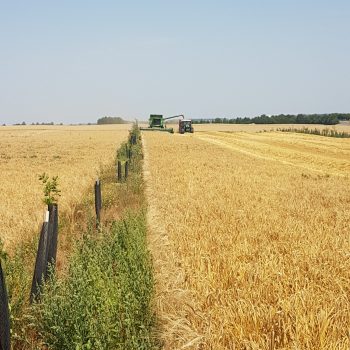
(249, 234)
(74, 153)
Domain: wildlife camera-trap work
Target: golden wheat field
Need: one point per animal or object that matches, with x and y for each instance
(250, 237)
(74, 153)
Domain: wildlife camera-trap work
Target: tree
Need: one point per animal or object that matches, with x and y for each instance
(111, 120)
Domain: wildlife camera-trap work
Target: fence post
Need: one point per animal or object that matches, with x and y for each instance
(119, 171)
(131, 161)
(53, 235)
(4, 314)
(98, 202)
(126, 169)
(41, 259)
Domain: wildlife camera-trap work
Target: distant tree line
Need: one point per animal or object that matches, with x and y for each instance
(326, 119)
(104, 120)
(37, 123)
(111, 120)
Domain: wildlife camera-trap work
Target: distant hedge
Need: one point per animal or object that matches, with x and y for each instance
(111, 120)
(324, 132)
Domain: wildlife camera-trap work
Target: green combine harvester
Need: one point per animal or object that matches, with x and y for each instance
(157, 123)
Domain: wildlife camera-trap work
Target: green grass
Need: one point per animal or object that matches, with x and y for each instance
(104, 303)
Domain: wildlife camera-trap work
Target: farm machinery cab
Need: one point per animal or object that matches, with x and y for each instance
(185, 125)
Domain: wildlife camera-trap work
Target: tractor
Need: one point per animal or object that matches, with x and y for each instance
(185, 125)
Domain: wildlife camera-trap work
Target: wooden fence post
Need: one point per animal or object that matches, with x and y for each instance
(41, 259)
(98, 202)
(126, 169)
(53, 235)
(4, 314)
(119, 171)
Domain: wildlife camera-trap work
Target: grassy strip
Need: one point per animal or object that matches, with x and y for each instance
(104, 303)
(323, 132)
(104, 300)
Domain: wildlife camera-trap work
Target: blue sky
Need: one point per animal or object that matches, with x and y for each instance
(76, 61)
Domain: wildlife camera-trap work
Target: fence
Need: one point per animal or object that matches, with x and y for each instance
(47, 246)
(120, 164)
(126, 157)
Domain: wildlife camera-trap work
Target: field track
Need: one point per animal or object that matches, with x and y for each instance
(250, 238)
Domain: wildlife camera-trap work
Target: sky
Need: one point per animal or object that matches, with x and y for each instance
(74, 61)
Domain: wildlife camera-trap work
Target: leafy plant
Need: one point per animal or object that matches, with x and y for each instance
(50, 189)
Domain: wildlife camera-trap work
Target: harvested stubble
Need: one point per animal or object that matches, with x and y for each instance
(74, 153)
(250, 251)
(266, 127)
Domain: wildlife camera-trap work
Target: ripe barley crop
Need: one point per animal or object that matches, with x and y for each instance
(73, 153)
(250, 239)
